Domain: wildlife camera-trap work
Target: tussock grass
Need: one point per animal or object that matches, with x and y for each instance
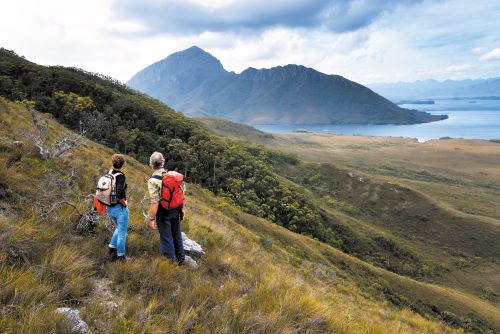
(22, 287)
(26, 302)
(19, 242)
(69, 270)
(146, 276)
(243, 284)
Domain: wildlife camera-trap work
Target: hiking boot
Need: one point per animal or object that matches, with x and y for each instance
(112, 254)
(123, 258)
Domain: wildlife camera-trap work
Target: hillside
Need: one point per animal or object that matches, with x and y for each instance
(298, 284)
(428, 89)
(194, 82)
(267, 183)
(434, 202)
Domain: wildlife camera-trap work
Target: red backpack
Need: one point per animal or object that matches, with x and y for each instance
(172, 195)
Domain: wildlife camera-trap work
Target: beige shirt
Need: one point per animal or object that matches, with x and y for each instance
(154, 187)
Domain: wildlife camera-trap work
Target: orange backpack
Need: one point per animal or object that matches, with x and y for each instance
(172, 195)
(99, 207)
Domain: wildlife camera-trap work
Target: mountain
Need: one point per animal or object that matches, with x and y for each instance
(195, 82)
(432, 89)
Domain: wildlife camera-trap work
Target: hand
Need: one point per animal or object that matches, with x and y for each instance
(152, 224)
(182, 213)
(124, 202)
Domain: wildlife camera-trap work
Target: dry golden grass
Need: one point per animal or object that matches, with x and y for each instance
(462, 174)
(256, 277)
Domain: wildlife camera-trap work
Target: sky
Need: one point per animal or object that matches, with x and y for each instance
(363, 40)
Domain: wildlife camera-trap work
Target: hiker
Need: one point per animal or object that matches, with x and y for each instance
(164, 214)
(117, 207)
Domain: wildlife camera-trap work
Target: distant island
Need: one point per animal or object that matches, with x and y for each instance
(194, 82)
(415, 102)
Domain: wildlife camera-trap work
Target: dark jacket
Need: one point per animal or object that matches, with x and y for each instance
(121, 186)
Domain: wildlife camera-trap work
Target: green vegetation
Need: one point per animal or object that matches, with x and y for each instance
(284, 284)
(233, 130)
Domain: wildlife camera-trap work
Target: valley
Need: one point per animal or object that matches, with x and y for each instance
(437, 201)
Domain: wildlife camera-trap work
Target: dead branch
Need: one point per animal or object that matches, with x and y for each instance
(55, 205)
(40, 138)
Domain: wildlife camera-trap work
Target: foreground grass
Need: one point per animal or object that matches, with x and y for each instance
(256, 277)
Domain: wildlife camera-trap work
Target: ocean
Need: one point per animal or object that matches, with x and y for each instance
(469, 119)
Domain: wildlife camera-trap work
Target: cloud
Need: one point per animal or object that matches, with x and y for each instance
(190, 17)
(477, 50)
(458, 68)
(432, 39)
(492, 55)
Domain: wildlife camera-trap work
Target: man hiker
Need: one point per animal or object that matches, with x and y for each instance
(164, 214)
(117, 209)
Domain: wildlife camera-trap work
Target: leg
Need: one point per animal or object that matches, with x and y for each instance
(166, 239)
(114, 237)
(122, 230)
(177, 236)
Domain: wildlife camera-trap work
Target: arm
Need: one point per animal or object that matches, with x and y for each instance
(153, 209)
(182, 212)
(121, 186)
(154, 197)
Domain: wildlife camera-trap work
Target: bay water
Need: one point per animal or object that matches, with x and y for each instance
(469, 119)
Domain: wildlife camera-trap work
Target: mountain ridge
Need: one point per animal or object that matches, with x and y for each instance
(195, 82)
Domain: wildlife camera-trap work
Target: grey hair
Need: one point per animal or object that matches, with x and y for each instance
(156, 160)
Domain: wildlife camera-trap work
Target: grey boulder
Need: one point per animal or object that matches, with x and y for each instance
(78, 326)
(191, 247)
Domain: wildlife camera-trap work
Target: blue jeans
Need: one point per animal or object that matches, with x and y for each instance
(119, 215)
(171, 244)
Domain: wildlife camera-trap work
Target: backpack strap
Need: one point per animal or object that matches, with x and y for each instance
(115, 174)
(113, 178)
(159, 177)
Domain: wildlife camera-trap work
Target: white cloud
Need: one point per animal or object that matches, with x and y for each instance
(478, 50)
(457, 68)
(492, 55)
(406, 43)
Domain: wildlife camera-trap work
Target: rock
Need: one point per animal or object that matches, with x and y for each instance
(190, 262)
(78, 326)
(350, 174)
(192, 248)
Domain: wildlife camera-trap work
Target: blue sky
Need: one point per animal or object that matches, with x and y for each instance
(366, 41)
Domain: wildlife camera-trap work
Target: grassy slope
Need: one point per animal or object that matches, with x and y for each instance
(449, 170)
(296, 285)
(233, 130)
(456, 249)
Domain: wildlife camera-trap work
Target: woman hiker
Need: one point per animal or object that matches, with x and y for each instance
(118, 211)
